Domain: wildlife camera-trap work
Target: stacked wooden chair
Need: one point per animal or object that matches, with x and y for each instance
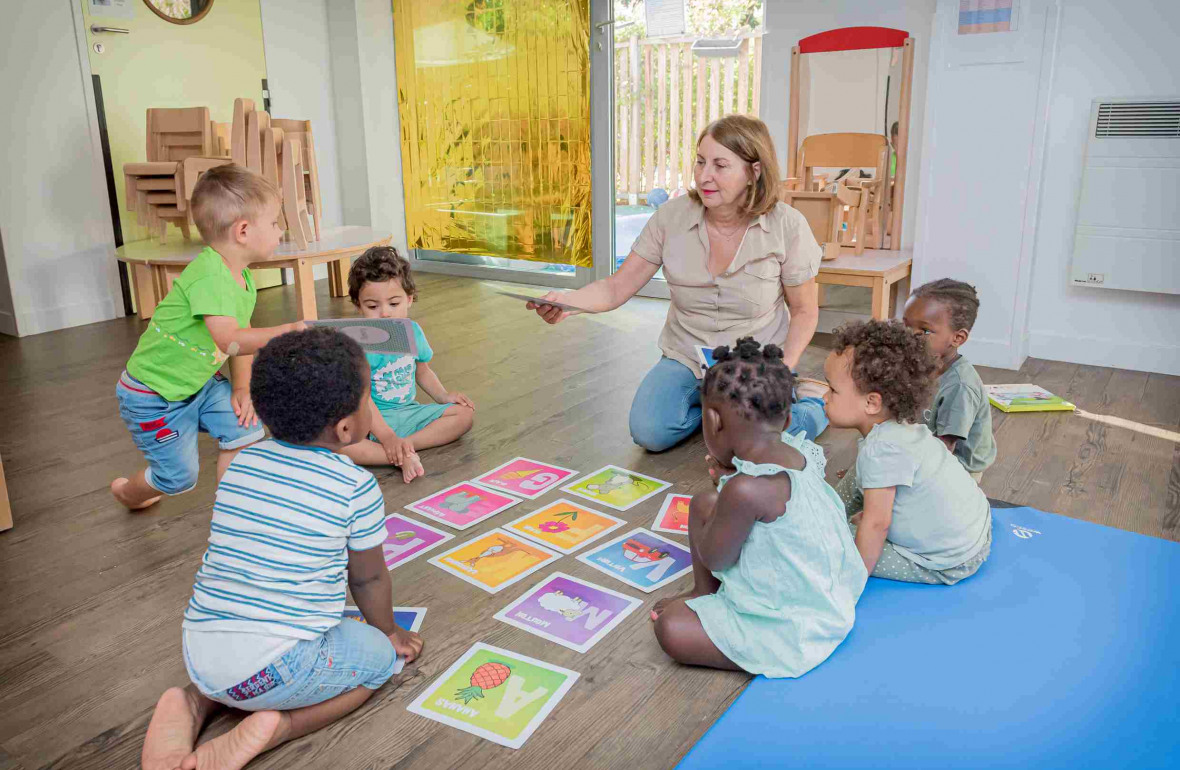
(850, 212)
(183, 143)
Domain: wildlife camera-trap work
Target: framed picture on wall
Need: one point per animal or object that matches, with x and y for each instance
(991, 31)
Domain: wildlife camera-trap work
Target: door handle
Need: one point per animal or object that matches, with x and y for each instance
(97, 28)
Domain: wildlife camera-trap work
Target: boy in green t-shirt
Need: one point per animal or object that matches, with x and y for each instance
(171, 389)
(943, 312)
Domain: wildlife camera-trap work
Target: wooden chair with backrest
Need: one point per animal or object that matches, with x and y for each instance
(301, 131)
(825, 209)
(155, 189)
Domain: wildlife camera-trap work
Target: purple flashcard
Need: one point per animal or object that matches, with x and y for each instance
(569, 611)
(406, 539)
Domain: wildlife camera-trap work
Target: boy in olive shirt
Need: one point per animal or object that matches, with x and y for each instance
(944, 311)
(171, 389)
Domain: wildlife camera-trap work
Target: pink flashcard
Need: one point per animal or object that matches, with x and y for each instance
(525, 478)
(463, 505)
(673, 515)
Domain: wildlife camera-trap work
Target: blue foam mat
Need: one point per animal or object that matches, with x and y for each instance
(1062, 651)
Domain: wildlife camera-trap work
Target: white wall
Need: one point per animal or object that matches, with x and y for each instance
(58, 241)
(789, 20)
(1104, 50)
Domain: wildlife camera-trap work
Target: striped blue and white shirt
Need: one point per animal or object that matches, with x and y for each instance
(284, 519)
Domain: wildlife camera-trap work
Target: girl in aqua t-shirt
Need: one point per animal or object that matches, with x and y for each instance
(381, 286)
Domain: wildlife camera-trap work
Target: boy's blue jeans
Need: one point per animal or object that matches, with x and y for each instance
(667, 408)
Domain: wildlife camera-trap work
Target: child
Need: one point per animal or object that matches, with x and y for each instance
(943, 312)
(777, 576)
(924, 519)
(264, 631)
(381, 286)
(171, 389)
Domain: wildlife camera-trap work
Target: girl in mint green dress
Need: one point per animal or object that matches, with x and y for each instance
(777, 574)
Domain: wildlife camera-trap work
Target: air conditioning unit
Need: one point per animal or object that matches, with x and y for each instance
(1128, 228)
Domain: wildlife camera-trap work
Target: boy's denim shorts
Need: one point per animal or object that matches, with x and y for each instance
(166, 431)
(351, 655)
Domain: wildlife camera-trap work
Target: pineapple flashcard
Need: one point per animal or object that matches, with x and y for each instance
(406, 539)
(673, 515)
(499, 695)
(564, 526)
(494, 560)
(569, 611)
(463, 505)
(525, 478)
(409, 618)
(617, 487)
(641, 559)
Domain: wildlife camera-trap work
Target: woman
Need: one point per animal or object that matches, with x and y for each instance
(731, 253)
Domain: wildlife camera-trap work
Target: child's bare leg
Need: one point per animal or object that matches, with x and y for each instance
(680, 634)
(264, 730)
(224, 458)
(703, 581)
(135, 492)
(372, 453)
(176, 722)
(453, 423)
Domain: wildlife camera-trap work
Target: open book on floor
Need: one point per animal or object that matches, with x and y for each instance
(1025, 398)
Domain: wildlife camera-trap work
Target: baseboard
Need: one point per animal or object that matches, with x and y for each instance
(65, 316)
(7, 324)
(1113, 353)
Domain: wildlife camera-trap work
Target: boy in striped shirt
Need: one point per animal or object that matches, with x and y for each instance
(293, 521)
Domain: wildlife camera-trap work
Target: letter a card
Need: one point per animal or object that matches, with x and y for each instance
(463, 505)
(568, 610)
(406, 539)
(525, 478)
(641, 559)
(496, 694)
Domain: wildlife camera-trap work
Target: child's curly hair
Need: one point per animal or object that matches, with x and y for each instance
(304, 382)
(754, 378)
(378, 265)
(889, 359)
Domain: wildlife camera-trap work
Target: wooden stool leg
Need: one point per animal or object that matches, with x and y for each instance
(144, 287)
(880, 297)
(305, 291)
(5, 507)
(339, 269)
(821, 294)
(333, 281)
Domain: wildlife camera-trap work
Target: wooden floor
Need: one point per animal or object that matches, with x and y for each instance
(91, 596)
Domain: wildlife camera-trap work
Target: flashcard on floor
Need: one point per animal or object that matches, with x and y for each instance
(641, 559)
(617, 487)
(499, 695)
(409, 618)
(463, 505)
(495, 560)
(525, 478)
(406, 539)
(705, 356)
(565, 526)
(673, 515)
(568, 610)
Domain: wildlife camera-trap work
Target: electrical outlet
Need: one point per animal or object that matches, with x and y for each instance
(1095, 277)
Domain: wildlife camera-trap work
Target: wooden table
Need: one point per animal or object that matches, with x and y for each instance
(880, 271)
(153, 266)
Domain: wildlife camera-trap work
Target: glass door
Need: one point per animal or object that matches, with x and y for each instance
(678, 64)
(495, 99)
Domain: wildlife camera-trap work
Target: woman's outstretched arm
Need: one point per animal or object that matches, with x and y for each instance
(603, 295)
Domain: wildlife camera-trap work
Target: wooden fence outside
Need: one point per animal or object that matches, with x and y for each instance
(664, 96)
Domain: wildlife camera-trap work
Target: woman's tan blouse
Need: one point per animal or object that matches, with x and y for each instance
(746, 300)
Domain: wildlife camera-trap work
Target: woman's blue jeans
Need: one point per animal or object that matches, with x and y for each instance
(667, 408)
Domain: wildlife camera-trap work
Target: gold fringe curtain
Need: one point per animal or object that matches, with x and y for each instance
(494, 100)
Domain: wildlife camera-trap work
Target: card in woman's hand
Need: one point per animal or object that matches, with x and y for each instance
(542, 301)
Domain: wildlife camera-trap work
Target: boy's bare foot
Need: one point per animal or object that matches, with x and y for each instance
(662, 604)
(118, 489)
(172, 731)
(412, 468)
(235, 749)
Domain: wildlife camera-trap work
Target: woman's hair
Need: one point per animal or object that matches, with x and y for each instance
(891, 360)
(749, 139)
(305, 382)
(378, 265)
(960, 300)
(754, 379)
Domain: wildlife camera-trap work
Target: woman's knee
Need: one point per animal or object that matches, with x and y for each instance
(650, 432)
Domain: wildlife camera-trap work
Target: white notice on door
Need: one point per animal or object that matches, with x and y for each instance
(119, 9)
(665, 18)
